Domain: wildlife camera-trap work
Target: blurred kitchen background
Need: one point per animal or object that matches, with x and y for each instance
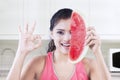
(104, 15)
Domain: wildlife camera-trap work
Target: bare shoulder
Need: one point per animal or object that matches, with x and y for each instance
(34, 67)
(89, 64)
(87, 61)
(38, 62)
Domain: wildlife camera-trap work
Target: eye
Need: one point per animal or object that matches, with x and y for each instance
(60, 32)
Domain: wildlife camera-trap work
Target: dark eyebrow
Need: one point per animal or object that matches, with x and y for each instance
(60, 29)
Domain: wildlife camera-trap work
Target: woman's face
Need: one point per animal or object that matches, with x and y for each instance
(61, 35)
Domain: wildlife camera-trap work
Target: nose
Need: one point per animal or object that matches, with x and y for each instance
(67, 37)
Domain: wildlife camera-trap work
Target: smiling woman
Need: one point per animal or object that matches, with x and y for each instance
(55, 65)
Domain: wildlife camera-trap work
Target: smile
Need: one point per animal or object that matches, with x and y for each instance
(65, 44)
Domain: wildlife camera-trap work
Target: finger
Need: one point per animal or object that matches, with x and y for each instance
(20, 30)
(91, 43)
(38, 45)
(38, 39)
(26, 28)
(90, 38)
(35, 37)
(90, 28)
(88, 34)
(31, 30)
(91, 32)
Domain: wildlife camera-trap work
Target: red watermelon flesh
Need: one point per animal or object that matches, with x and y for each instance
(78, 33)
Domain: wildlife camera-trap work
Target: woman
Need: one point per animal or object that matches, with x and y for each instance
(55, 65)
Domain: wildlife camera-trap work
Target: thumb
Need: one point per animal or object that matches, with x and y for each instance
(38, 41)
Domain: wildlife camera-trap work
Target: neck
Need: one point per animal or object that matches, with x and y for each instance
(60, 57)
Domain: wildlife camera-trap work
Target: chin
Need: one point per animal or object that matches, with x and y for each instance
(65, 52)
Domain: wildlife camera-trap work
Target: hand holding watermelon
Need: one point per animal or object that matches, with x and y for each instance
(92, 39)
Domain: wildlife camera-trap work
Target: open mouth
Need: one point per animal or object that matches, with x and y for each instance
(65, 45)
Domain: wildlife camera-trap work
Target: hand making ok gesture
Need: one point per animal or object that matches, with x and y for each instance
(28, 41)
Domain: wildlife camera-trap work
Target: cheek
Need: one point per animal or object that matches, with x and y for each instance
(57, 41)
(56, 37)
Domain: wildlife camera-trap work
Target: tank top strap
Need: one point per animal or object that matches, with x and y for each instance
(48, 72)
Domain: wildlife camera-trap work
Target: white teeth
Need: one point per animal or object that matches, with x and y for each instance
(66, 45)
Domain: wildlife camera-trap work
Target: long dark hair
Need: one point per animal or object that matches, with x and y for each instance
(60, 14)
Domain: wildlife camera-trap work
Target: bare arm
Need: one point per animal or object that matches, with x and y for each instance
(15, 70)
(26, 45)
(99, 70)
(102, 66)
(33, 70)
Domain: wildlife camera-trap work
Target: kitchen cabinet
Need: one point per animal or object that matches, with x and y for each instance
(16, 13)
(9, 12)
(104, 15)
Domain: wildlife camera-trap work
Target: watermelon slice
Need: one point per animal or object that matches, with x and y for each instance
(78, 32)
